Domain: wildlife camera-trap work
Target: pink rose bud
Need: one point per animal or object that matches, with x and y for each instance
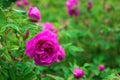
(34, 14)
(26, 34)
(90, 5)
(44, 49)
(101, 67)
(18, 3)
(73, 7)
(49, 26)
(25, 2)
(78, 73)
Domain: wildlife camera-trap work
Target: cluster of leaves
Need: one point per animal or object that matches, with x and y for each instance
(89, 40)
(6, 3)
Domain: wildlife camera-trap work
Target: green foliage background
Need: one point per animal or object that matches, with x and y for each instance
(89, 40)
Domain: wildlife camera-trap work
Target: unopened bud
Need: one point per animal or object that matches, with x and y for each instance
(26, 34)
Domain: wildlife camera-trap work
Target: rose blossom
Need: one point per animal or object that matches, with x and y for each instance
(90, 5)
(45, 49)
(25, 2)
(49, 26)
(22, 3)
(73, 7)
(78, 73)
(34, 14)
(18, 3)
(101, 67)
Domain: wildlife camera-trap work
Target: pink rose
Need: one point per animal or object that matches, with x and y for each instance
(73, 7)
(49, 26)
(90, 5)
(101, 67)
(22, 3)
(78, 73)
(25, 2)
(45, 49)
(34, 14)
(18, 3)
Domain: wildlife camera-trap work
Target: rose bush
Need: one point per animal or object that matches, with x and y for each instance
(89, 40)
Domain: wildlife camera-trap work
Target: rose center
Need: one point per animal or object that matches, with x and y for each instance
(48, 50)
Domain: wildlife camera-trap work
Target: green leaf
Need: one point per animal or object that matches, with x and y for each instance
(7, 56)
(6, 3)
(12, 73)
(87, 65)
(27, 71)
